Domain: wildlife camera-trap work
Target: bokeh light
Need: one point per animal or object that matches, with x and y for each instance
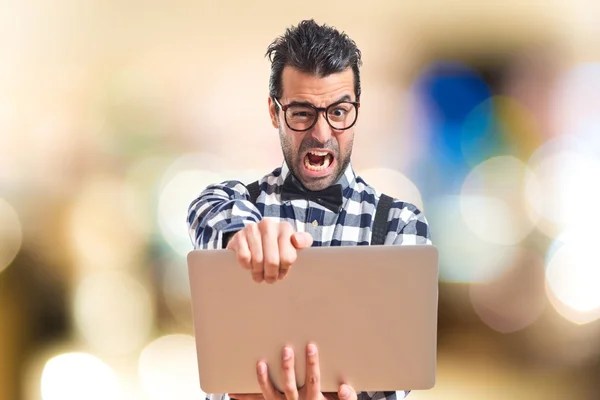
(448, 92)
(499, 125)
(176, 291)
(515, 299)
(168, 369)
(105, 226)
(113, 312)
(573, 277)
(445, 94)
(562, 193)
(76, 376)
(492, 201)
(11, 235)
(576, 100)
(9, 143)
(392, 183)
(183, 182)
(464, 257)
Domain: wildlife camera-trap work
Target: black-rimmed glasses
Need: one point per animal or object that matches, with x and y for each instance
(301, 117)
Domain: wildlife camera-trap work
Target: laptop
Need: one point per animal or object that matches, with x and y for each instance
(371, 311)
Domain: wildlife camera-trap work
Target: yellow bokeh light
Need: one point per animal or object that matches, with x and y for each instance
(11, 235)
(106, 226)
(76, 376)
(113, 312)
(168, 369)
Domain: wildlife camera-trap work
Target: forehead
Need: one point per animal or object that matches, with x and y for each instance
(300, 86)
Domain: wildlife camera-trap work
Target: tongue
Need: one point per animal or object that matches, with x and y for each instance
(316, 160)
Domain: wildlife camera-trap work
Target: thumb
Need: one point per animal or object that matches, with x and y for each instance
(346, 392)
(301, 240)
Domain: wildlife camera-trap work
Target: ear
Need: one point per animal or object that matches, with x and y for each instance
(273, 113)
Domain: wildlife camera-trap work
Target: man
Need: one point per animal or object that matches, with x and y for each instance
(314, 198)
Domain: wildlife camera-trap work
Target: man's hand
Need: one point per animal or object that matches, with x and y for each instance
(311, 389)
(268, 248)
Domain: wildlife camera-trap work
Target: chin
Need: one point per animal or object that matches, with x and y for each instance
(316, 185)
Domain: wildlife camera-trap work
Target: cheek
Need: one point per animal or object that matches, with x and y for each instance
(290, 141)
(345, 141)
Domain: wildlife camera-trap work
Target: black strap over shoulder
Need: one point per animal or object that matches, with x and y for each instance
(380, 225)
(254, 190)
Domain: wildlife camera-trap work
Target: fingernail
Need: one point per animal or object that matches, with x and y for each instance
(287, 353)
(262, 368)
(344, 391)
(312, 349)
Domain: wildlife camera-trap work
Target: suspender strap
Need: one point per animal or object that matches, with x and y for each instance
(380, 225)
(254, 190)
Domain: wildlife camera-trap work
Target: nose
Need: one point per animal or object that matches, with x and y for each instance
(321, 131)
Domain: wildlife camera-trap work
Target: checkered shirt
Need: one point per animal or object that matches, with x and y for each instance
(224, 208)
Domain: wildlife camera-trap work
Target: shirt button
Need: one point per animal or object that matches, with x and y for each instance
(315, 223)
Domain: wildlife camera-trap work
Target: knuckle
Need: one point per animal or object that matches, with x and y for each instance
(285, 229)
(243, 254)
(313, 379)
(271, 261)
(289, 258)
(285, 225)
(244, 260)
(265, 225)
(288, 365)
(257, 258)
(251, 228)
(289, 387)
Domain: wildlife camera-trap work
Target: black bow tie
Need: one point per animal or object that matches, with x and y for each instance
(330, 198)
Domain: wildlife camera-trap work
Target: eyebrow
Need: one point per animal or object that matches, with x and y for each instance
(345, 97)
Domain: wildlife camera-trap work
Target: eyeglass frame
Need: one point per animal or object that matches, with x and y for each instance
(318, 110)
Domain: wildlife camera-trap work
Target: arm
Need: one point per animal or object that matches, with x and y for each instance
(218, 212)
(407, 225)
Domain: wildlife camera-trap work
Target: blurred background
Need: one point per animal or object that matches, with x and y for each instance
(115, 115)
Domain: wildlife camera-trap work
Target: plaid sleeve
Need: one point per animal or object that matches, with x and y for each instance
(407, 225)
(383, 395)
(220, 209)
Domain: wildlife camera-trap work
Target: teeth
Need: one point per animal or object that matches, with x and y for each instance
(326, 163)
(319, 153)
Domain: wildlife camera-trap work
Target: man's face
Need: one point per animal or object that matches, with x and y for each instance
(319, 156)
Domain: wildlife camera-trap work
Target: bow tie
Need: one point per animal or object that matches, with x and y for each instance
(330, 198)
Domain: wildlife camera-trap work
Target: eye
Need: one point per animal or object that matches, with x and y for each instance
(339, 112)
(300, 113)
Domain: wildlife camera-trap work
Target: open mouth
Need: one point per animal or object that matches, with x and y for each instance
(317, 160)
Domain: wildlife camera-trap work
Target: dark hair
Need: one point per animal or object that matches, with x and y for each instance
(315, 49)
